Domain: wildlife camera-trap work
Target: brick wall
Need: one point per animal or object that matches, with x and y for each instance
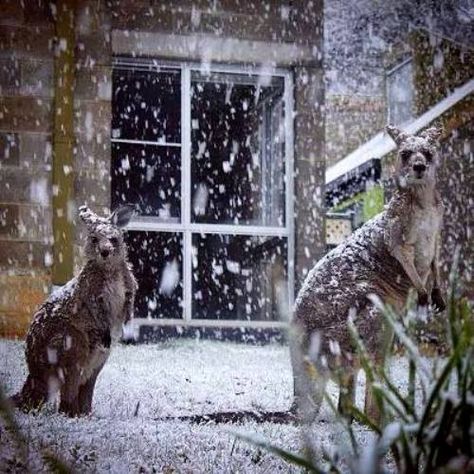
(351, 120)
(26, 92)
(27, 106)
(92, 111)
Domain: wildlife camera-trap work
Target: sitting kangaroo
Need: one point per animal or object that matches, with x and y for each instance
(392, 253)
(69, 339)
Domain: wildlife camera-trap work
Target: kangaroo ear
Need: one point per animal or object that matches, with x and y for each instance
(397, 135)
(87, 215)
(122, 215)
(432, 134)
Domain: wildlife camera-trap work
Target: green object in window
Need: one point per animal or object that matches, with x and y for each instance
(373, 200)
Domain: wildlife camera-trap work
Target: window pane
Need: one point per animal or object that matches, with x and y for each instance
(238, 277)
(237, 147)
(149, 177)
(146, 105)
(158, 267)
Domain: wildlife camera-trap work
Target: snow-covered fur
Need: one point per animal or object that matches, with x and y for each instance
(70, 337)
(389, 255)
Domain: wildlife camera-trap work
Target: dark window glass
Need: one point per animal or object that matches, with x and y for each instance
(237, 149)
(146, 105)
(238, 277)
(149, 177)
(158, 267)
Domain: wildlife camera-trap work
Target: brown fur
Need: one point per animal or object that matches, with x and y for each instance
(71, 334)
(389, 255)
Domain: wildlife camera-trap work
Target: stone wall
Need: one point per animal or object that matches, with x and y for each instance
(440, 66)
(351, 120)
(263, 34)
(26, 104)
(92, 111)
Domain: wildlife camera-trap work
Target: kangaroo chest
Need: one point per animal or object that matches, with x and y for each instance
(422, 233)
(113, 295)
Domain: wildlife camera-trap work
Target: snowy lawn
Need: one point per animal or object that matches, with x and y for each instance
(142, 383)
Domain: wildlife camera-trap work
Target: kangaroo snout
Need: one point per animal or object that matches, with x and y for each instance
(419, 168)
(105, 250)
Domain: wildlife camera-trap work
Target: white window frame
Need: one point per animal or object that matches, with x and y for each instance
(188, 228)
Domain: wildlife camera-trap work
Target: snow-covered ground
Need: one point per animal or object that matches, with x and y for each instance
(142, 383)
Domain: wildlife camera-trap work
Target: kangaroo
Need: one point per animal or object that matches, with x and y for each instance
(70, 337)
(392, 253)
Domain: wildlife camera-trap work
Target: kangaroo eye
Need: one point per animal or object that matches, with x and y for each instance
(428, 155)
(114, 241)
(405, 155)
(94, 240)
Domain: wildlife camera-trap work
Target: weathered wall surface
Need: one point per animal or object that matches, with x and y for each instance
(351, 120)
(26, 92)
(27, 46)
(439, 67)
(261, 26)
(92, 111)
(363, 39)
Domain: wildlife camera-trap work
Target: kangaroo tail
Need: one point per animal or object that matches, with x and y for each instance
(33, 394)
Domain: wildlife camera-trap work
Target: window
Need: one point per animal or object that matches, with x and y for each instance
(205, 154)
(400, 93)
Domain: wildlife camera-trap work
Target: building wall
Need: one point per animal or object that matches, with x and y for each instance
(297, 25)
(26, 105)
(263, 30)
(351, 120)
(440, 67)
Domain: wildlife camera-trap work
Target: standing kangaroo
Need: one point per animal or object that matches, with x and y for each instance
(392, 253)
(70, 337)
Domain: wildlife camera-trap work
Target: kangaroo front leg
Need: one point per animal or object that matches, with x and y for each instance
(405, 255)
(436, 297)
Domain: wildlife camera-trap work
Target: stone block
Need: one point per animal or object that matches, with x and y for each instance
(309, 90)
(309, 136)
(11, 12)
(92, 120)
(309, 214)
(91, 189)
(93, 155)
(306, 25)
(9, 217)
(23, 255)
(10, 79)
(37, 78)
(9, 149)
(26, 77)
(25, 114)
(36, 223)
(20, 296)
(25, 222)
(21, 186)
(26, 42)
(93, 49)
(94, 83)
(35, 150)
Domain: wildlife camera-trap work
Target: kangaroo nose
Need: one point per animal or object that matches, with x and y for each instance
(104, 253)
(419, 167)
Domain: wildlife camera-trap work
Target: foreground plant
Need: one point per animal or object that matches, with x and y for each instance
(433, 434)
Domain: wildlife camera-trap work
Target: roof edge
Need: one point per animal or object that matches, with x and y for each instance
(381, 144)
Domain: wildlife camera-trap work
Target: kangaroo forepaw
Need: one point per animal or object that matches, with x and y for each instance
(437, 300)
(422, 299)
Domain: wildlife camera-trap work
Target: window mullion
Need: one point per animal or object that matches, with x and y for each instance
(289, 185)
(186, 189)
